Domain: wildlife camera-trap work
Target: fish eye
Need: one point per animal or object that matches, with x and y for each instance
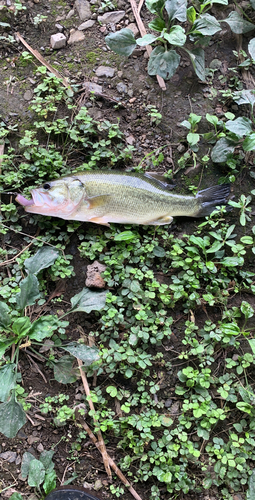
(46, 186)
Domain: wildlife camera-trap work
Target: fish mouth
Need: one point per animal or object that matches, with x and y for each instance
(23, 201)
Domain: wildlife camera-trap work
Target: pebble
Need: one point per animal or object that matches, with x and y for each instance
(121, 88)
(70, 14)
(83, 9)
(86, 25)
(93, 87)
(133, 27)
(94, 278)
(105, 71)
(58, 41)
(76, 36)
(9, 456)
(28, 95)
(59, 27)
(111, 17)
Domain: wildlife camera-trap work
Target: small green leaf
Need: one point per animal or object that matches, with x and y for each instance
(155, 6)
(247, 240)
(8, 380)
(36, 473)
(197, 57)
(21, 326)
(146, 40)
(252, 345)
(43, 327)
(81, 351)
(44, 258)
(122, 42)
(12, 417)
(212, 119)
(191, 15)
(159, 251)
(244, 97)
(46, 459)
(237, 23)
(193, 138)
(250, 493)
(163, 63)
(176, 36)
(207, 25)
(249, 142)
(87, 301)
(26, 459)
(16, 496)
(157, 24)
(112, 390)
(124, 236)
(50, 482)
(29, 292)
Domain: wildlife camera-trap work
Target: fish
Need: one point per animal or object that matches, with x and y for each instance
(124, 197)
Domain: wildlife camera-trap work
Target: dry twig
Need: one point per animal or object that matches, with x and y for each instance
(111, 462)
(101, 443)
(142, 30)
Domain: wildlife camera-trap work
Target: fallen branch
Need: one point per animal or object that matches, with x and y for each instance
(101, 443)
(136, 12)
(43, 61)
(114, 467)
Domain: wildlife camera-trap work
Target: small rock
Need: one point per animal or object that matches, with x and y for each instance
(93, 87)
(133, 27)
(59, 27)
(168, 403)
(76, 36)
(9, 456)
(32, 439)
(121, 88)
(70, 14)
(28, 95)
(58, 41)
(94, 278)
(105, 71)
(111, 17)
(40, 447)
(98, 485)
(130, 140)
(86, 25)
(83, 9)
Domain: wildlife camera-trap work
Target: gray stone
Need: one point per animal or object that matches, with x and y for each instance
(133, 27)
(111, 17)
(76, 36)
(86, 25)
(93, 87)
(9, 456)
(121, 88)
(105, 71)
(70, 14)
(28, 95)
(59, 27)
(83, 9)
(58, 41)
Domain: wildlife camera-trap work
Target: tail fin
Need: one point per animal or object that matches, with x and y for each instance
(211, 198)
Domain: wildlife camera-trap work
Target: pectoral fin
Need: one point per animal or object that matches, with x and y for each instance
(97, 201)
(100, 220)
(166, 219)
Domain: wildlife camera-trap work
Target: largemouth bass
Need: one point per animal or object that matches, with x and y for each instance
(122, 197)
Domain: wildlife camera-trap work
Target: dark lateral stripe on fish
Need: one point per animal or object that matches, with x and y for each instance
(211, 198)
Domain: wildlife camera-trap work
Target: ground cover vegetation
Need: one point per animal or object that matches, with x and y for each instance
(174, 335)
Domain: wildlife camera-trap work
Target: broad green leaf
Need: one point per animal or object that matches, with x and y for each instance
(191, 15)
(157, 24)
(251, 48)
(87, 301)
(176, 36)
(207, 25)
(222, 2)
(29, 292)
(8, 380)
(159, 251)
(12, 417)
(146, 40)
(222, 149)
(155, 6)
(240, 126)
(4, 345)
(64, 372)
(81, 351)
(16, 496)
(247, 309)
(46, 459)
(176, 9)
(192, 138)
(247, 240)
(215, 247)
(163, 63)
(244, 97)
(122, 42)
(232, 261)
(197, 57)
(21, 326)
(212, 119)
(5, 318)
(26, 459)
(36, 473)
(252, 344)
(43, 327)
(50, 482)
(250, 493)
(237, 23)
(44, 258)
(124, 236)
(249, 142)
